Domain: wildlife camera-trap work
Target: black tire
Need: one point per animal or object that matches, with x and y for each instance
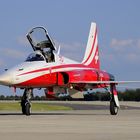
(27, 109)
(113, 108)
(23, 107)
(23, 110)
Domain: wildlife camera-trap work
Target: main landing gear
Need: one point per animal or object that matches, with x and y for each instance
(25, 101)
(114, 102)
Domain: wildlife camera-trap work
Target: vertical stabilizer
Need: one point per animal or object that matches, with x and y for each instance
(91, 57)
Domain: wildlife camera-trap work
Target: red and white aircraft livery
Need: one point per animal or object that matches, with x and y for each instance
(57, 74)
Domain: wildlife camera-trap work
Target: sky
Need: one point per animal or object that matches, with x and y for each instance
(68, 23)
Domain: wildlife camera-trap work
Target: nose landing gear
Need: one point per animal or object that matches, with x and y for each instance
(25, 101)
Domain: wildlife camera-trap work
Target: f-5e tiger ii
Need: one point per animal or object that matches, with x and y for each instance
(44, 68)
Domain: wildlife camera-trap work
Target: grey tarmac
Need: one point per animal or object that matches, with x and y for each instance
(96, 124)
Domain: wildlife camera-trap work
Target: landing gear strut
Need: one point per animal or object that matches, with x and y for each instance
(114, 102)
(25, 102)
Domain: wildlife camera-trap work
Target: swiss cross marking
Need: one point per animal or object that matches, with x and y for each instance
(96, 57)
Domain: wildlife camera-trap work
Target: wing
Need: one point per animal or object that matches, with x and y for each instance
(104, 82)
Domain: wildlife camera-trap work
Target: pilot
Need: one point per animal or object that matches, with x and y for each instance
(49, 55)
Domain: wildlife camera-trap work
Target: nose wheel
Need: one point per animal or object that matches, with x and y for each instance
(25, 102)
(26, 107)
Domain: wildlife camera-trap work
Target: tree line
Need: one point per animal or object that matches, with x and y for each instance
(127, 95)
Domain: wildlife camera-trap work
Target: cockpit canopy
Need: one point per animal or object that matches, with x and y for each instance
(42, 43)
(35, 57)
(39, 39)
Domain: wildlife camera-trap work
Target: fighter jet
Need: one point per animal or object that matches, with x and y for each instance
(46, 68)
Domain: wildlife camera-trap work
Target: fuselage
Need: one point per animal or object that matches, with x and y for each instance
(41, 74)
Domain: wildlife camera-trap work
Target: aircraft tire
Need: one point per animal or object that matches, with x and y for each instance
(27, 109)
(113, 108)
(23, 107)
(23, 110)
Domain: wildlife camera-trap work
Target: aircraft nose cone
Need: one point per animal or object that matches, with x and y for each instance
(5, 79)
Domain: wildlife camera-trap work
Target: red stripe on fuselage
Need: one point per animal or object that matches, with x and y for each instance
(56, 67)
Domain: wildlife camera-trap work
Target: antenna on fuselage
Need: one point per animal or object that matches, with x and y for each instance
(58, 51)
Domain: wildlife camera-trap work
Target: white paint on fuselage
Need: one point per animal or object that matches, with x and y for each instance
(17, 73)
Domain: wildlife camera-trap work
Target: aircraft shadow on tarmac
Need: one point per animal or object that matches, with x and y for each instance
(46, 114)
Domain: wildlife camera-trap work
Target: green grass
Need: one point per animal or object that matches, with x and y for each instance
(15, 106)
(47, 107)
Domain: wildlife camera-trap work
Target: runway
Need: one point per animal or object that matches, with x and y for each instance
(94, 124)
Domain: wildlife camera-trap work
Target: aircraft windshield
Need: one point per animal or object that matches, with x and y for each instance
(35, 57)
